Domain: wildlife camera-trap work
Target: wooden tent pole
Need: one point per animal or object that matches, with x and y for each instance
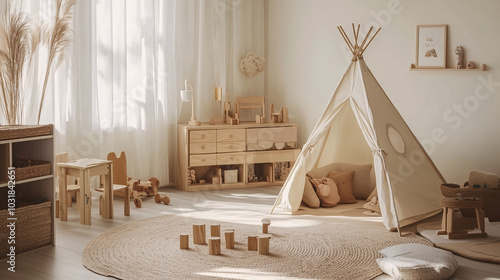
(355, 36)
(370, 40)
(346, 39)
(366, 37)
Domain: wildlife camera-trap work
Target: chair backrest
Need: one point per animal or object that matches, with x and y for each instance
(59, 158)
(119, 168)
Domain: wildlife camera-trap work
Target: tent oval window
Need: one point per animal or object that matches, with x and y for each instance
(395, 139)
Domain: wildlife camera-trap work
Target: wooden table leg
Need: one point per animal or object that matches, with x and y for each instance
(444, 223)
(108, 194)
(480, 219)
(126, 202)
(62, 194)
(88, 198)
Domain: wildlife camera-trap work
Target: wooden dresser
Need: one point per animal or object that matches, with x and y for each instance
(235, 156)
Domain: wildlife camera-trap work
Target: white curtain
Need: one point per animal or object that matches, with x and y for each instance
(120, 88)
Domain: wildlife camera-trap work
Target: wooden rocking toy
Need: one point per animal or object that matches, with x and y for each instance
(159, 199)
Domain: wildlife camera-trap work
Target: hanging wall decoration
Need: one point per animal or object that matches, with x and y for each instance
(431, 46)
(252, 64)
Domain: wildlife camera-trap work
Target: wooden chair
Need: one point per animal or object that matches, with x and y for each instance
(120, 180)
(73, 188)
(250, 102)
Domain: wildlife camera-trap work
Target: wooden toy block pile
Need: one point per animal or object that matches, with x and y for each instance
(258, 243)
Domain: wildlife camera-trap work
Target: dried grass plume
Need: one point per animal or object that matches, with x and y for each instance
(20, 40)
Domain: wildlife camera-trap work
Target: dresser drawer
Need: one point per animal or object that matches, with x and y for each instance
(203, 148)
(230, 135)
(272, 156)
(202, 160)
(203, 136)
(230, 158)
(269, 137)
(224, 147)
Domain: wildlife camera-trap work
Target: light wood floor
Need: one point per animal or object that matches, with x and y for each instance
(63, 261)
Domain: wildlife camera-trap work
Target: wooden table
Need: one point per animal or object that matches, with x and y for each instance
(458, 227)
(84, 169)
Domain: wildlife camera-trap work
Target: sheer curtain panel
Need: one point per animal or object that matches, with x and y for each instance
(129, 63)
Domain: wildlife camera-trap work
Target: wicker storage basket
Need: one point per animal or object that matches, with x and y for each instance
(26, 169)
(33, 228)
(490, 198)
(22, 131)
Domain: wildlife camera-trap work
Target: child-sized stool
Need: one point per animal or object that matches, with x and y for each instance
(458, 227)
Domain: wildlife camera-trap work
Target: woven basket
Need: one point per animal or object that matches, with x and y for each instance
(33, 228)
(490, 198)
(26, 169)
(22, 131)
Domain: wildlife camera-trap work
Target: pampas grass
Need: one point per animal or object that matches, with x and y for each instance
(19, 42)
(15, 37)
(58, 41)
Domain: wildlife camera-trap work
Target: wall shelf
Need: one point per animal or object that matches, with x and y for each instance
(413, 67)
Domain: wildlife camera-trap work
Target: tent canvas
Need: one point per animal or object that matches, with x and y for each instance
(361, 125)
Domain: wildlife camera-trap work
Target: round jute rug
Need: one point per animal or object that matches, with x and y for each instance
(301, 247)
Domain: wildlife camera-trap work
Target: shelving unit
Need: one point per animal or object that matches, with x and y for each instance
(213, 152)
(34, 195)
(413, 67)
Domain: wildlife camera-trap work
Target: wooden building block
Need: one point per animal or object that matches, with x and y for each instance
(214, 245)
(252, 243)
(265, 225)
(229, 239)
(215, 230)
(199, 234)
(264, 245)
(184, 241)
(265, 228)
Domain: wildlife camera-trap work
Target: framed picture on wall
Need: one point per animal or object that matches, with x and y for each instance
(431, 46)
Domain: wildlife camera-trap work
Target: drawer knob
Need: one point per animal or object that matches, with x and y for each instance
(203, 136)
(203, 147)
(203, 160)
(231, 136)
(231, 147)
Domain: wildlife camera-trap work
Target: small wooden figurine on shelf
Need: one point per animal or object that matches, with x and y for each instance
(459, 51)
(191, 176)
(251, 102)
(218, 98)
(281, 116)
(471, 65)
(229, 117)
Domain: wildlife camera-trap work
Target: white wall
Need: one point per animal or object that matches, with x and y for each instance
(306, 59)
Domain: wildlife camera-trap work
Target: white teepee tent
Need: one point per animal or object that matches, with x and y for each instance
(360, 125)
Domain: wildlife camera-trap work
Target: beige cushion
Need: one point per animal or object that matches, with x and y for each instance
(327, 191)
(309, 197)
(344, 185)
(361, 181)
(483, 179)
(417, 261)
